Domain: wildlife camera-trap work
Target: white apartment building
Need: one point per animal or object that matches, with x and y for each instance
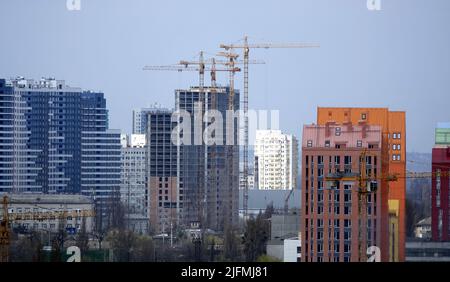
(133, 189)
(276, 160)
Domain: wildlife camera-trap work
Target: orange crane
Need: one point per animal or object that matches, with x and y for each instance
(246, 50)
(9, 217)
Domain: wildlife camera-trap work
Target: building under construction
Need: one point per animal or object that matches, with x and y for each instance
(209, 196)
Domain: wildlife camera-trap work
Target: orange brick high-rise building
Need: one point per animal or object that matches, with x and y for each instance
(393, 127)
(334, 227)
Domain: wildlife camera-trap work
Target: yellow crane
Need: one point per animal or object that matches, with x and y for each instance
(200, 66)
(245, 46)
(8, 217)
(367, 184)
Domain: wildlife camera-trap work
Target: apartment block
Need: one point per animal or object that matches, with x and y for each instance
(133, 190)
(276, 157)
(336, 226)
(393, 127)
(55, 139)
(440, 184)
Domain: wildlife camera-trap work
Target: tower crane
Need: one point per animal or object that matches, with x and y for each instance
(368, 184)
(199, 65)
(246, 50)
(9, 217)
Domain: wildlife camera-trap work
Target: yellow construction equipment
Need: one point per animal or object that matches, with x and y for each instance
(245, 46)
(9, 217)
(368, 184)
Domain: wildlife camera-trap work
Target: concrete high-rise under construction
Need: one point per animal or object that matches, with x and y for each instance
(208, 175)
(165, 199)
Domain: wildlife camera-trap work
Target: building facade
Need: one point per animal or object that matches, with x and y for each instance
(165, 198)
(440, 184)
(140, 119)
(211, 199)
(333, 227)
(427, 251)
(38, 204)
(276, 155)
(393, 127)
(133, 190)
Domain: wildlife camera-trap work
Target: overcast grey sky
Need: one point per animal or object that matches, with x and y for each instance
(398, 57)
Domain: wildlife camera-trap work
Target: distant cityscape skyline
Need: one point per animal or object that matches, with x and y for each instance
(401, 64)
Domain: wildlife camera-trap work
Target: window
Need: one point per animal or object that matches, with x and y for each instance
(336, 247)
(336, 197)
(347, 223)
(359, 143)
(336, 210)
(319, 223)
(336, 223)
(364, 116)
(319, 248)
(338, 131)
(347, 197)
(319, 236)
(320, 197)
(347, 248)
(319, 209)
(347, 160)
(320, 160)
(336, 235)
(395, 157)
(347, 235)
(347, 210)
(320, 173)
(309, 143)
(327, 143)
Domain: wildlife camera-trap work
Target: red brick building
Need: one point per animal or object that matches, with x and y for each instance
(330, 222)
(440, 192)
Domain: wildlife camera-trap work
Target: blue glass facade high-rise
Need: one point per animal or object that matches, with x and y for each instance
(55, 139)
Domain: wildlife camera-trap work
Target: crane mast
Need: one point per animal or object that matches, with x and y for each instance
(246, 50)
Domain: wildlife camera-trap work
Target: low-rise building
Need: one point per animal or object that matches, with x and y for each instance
(285, 249)
(36, 208)
(427, 251)
(422, 229)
